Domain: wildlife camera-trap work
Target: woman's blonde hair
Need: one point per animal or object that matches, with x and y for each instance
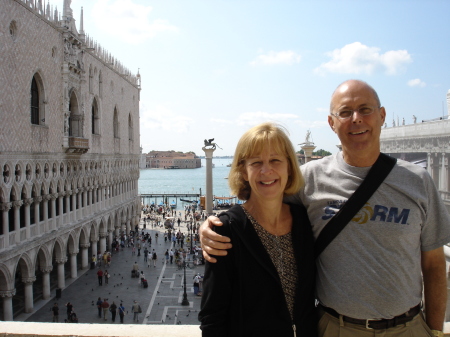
(252, 143)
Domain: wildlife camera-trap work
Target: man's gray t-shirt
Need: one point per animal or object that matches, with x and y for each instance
(372, 269)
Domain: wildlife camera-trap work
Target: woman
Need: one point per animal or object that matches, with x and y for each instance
(264, 286)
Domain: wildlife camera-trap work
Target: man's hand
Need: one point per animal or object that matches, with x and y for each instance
(213, 243)
(435, 287)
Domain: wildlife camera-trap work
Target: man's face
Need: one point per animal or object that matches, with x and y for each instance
(358, 132)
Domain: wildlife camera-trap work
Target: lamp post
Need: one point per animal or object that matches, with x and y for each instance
(190, 233)
(185, 300)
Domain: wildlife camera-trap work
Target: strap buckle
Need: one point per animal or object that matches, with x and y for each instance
(368, 322)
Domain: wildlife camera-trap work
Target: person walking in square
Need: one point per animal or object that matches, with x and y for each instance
(136, 311)
(99, 307)
(55, 311)
(121, 310)
(105, 307)
(154, 258)
(100, 277)
(106, 275)
(113, 310)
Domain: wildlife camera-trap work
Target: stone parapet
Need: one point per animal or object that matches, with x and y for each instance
(16, 329)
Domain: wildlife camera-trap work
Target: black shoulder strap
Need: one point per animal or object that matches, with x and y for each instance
(373, 180)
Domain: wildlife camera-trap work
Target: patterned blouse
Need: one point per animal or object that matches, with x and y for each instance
(281, 252)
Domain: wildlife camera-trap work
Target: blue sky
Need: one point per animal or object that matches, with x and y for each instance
(213, 69)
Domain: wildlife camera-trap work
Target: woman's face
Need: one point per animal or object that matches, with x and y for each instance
(267, 174)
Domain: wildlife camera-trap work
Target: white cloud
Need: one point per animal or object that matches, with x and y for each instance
(163, 119)
(221, 121)
(287, 57)
(128, 21)
(416, 83)
(356, 58)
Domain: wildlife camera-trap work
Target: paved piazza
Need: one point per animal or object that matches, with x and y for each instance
(160, 302)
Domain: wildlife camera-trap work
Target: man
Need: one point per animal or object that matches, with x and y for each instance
(55, 310)
(369, 278)
(100, 277)
(121, 312)
(136, 310)
(105, 307)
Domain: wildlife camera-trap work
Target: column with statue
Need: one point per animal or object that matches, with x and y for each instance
(209, 149)
(307, 147)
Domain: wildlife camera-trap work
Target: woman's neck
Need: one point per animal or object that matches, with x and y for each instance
(273, 216)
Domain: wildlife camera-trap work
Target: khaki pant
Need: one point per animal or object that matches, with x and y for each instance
(330, 326)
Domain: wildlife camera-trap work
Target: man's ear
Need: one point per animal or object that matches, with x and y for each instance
(383, 114)
(331, 122)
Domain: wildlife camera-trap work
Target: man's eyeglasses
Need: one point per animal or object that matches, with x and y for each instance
(363, 111)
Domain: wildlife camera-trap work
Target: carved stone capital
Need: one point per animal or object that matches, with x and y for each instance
(47, 197)
(69, 193)
(62, 193)
(29, 280)
(85, 245)
(47, 270)
(38, 199)
(75, 191)
(8, 293)
(5, 206)
(73, 253)
(103, 235)
(54, 196)
(61, 260)
(28, 201)
(17, 203)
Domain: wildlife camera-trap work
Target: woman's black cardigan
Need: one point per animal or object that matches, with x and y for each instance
(242, 293)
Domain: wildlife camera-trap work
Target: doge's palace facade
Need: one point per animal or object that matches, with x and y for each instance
(69, 151)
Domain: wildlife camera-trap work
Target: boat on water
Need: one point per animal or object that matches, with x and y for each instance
(171, 167)
(192, 201)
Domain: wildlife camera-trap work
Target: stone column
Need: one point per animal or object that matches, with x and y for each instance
(91, 198)
(16, 205)
(74, 205)
(102, 242)
(80, 207)
(128, 227)
(5, 207)
(61, 275)
(68, 213)
(7, 296)
(85, 208)
(45, 199)
(444, 174)
(28, 281)
(116, 231)
(84, 255)
(73, 264)
(209, 182)
(37, 202)
(46, 282)
(61, 209)
(53, 198)
(429, 164)
(94, 247)
(27, 203)
(110, 240)
(308, 150)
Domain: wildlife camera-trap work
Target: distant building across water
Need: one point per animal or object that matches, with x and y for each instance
(171, 160)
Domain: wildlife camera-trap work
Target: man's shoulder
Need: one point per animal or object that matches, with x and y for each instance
(314, 164)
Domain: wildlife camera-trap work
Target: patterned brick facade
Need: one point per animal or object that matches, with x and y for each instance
(69, 151)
